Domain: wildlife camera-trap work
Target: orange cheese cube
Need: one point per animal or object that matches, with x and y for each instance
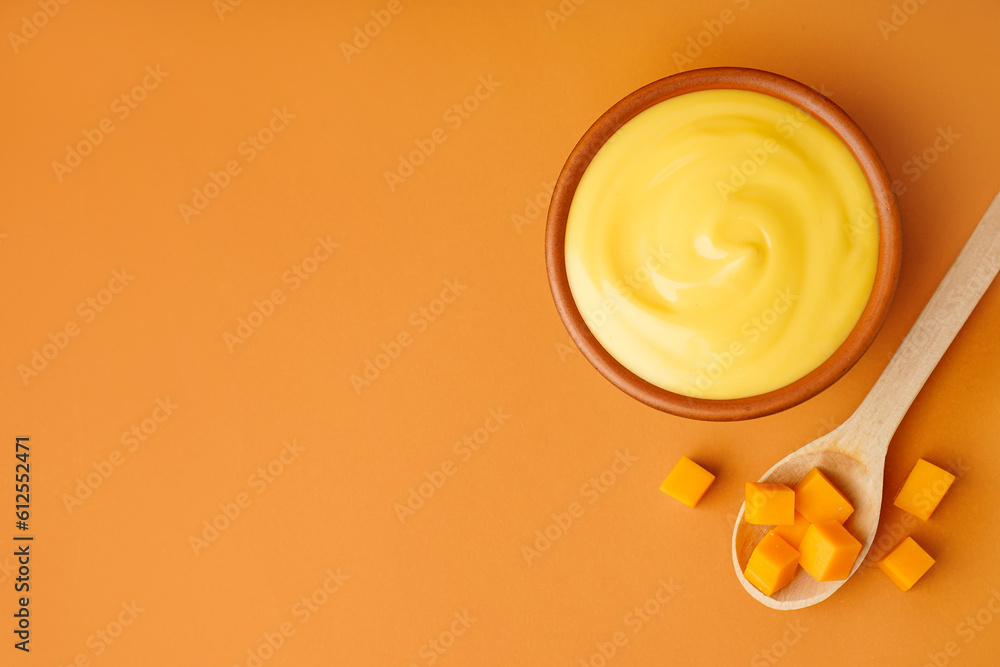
(906, 564)
(817, 499)
(772, 564)
(793, 533)
(769, 504)
(828, 551)
(923, 489)
(687, 482)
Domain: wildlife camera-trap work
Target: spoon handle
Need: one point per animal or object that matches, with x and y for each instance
(939, 322)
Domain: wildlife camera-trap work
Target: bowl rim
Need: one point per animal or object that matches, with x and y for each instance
(886, 273)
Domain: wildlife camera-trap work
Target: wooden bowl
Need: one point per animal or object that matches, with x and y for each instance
(886, 274)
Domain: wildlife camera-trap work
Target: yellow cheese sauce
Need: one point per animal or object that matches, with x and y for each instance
(722, 244)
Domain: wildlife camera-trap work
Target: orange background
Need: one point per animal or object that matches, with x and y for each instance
(498, 345)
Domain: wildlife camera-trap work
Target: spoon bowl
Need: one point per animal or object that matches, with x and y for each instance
(852, 456)
(851, 470)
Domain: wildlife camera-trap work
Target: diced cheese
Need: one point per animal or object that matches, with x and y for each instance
(772, 564)
(906, 564)
(687, 482)
(769, 504)
(923, 489)
(817, 499)
(793, 533)
(828, 551)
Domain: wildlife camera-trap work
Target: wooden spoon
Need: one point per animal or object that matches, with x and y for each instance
(853, 454)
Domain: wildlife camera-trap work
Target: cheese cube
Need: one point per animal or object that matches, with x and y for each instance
(769, 504)
(772, 564)
(923, 489)
(793, 533)
(828, 551)
(817, 499)
(906, 564)
(687, 482)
